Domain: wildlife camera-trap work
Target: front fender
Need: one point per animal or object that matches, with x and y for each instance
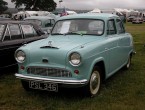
(94, 63)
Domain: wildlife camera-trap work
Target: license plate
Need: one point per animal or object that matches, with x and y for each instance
(43, 86)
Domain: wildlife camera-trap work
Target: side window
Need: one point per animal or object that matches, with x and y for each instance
(15, 31)
(28, 31)
(48, 23)
(111, 29)
(52, 22)
(7, 36)
(2, 27)
(120, 26)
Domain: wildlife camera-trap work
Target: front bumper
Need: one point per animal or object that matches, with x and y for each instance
(59, 81)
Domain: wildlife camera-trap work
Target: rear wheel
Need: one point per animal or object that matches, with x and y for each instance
(93, 87)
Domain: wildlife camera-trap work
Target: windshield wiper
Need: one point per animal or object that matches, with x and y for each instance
(56, 34)
(71, 32)
(74, 32)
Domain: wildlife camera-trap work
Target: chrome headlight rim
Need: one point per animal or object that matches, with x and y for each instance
(20, 56)
(73, 55)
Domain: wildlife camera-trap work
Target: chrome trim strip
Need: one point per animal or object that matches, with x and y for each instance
(25, 77)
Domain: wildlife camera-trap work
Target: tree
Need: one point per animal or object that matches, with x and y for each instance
(43, 5)
(3, 6)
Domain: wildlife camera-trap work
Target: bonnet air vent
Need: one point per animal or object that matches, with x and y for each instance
(49, 47)
(45, 60)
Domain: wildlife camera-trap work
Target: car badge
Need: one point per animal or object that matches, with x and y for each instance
(50, 43)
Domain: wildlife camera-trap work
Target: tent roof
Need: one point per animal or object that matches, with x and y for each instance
(96, 10)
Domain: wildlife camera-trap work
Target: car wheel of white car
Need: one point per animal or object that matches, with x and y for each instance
(93, 87)
(25, 85)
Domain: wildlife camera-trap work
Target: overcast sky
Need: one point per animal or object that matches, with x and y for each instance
(102, 4)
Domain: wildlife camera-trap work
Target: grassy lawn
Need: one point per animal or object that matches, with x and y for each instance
(123, 91)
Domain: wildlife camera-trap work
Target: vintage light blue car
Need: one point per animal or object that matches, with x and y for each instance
(45, 22)
(81, 51)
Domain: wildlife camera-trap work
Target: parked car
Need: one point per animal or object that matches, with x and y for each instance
(2, 18)
(137, 20)
(130, 18)
(59, 11)
(14, 34)
(81, 51)
(44, 22)
(143, 18)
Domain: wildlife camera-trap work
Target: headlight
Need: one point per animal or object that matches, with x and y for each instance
(20, 56)
(75, 59)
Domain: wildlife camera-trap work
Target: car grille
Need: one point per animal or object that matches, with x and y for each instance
(52, 72)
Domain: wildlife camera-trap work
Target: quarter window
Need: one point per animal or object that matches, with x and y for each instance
(120, 26)
(7, 36)
(1, 30)
(111, 29)
(15, 31)
(28, 31)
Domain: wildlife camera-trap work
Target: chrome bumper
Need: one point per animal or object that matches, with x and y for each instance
(72, 82)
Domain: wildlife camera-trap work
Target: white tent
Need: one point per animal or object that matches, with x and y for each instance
(71, 12)
(96, 10)
(43, 13)
(31, 13)
(25, 14)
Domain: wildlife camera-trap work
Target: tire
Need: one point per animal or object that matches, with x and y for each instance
(93, 87)
(25, 85)
(127, 66)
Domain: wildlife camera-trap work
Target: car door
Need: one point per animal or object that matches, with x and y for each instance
(124, 41)
(112, 46)
(12, 39)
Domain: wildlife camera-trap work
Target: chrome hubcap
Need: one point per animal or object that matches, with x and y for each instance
(95, 82)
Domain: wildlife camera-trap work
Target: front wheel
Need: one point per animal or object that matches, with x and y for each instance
(25, 85)
(93, 87)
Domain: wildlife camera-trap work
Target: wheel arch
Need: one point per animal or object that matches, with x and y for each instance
(101, 64)
(131, 53)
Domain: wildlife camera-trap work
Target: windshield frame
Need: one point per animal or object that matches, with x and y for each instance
(103, 30)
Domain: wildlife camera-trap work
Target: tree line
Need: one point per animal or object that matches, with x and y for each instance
(37, 5)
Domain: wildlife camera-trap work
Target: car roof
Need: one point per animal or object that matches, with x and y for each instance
(18, 22)
(39, 17)
(15, 22)
(22, 22)
(103, 16)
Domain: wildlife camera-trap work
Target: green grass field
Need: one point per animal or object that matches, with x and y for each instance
(123, 91)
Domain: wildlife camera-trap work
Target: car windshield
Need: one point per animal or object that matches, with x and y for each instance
(1, 30)
(38, 22)
(79, 26)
